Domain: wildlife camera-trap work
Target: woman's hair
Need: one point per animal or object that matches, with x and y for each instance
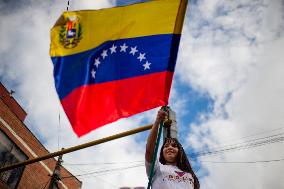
(182, 161)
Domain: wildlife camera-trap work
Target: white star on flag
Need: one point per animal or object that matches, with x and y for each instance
(147, 65)
(97, 62)
(123, 47)
(113, 49)
(93, 73)
(141, 56)
(133, 50)
(104, 54)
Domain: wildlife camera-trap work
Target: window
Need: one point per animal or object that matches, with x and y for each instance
(10, 154)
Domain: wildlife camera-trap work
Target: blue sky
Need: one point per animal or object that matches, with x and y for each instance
(227, 85)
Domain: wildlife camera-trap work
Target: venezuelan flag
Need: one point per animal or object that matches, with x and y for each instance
(113, 63)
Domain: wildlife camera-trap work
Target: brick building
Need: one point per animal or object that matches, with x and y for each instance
(18, 143)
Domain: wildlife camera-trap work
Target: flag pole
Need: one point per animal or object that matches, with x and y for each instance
(79, 147)
(155, 155)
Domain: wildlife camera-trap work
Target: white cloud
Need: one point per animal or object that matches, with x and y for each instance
(235, 56)
(87, 4)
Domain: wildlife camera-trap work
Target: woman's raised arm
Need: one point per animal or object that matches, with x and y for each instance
(150, 146)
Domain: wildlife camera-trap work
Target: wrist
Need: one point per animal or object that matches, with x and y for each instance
(157, 122)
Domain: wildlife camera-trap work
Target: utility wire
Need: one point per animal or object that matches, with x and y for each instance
(252, 135)
(259, 138)
(241, 162)
(230, 144)
(96, 176)
(250, 145)
(238, 146)
(108, 171)
(214, 149)
(256, 142)
(102, 163)
(104, 171)
(269, 139)
(246, 144)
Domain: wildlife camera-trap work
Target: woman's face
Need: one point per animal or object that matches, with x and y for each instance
(170, 152)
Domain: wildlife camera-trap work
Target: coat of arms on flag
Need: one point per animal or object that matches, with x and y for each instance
(71, 32)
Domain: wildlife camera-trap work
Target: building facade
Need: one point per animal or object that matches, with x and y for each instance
(18, 143)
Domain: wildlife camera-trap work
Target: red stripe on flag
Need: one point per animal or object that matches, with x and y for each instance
(92, 106)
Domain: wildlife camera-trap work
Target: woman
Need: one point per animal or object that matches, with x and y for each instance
(173, 170)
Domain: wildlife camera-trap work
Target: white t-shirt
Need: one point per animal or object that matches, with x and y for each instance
(169, 177)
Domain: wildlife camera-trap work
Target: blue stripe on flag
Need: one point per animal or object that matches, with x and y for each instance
(115, 60)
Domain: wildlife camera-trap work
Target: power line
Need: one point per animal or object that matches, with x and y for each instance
(96, 176)
(260, 138)
(106, 170)
(101, 163)
(241, 147)
(250, 144)
(234, 162)
(247, 141)
(238, 146)
(256, 134)
(244, 145)
(110, 172)
(200, 152)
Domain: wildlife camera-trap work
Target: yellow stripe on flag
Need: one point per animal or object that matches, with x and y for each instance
(98, 26)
